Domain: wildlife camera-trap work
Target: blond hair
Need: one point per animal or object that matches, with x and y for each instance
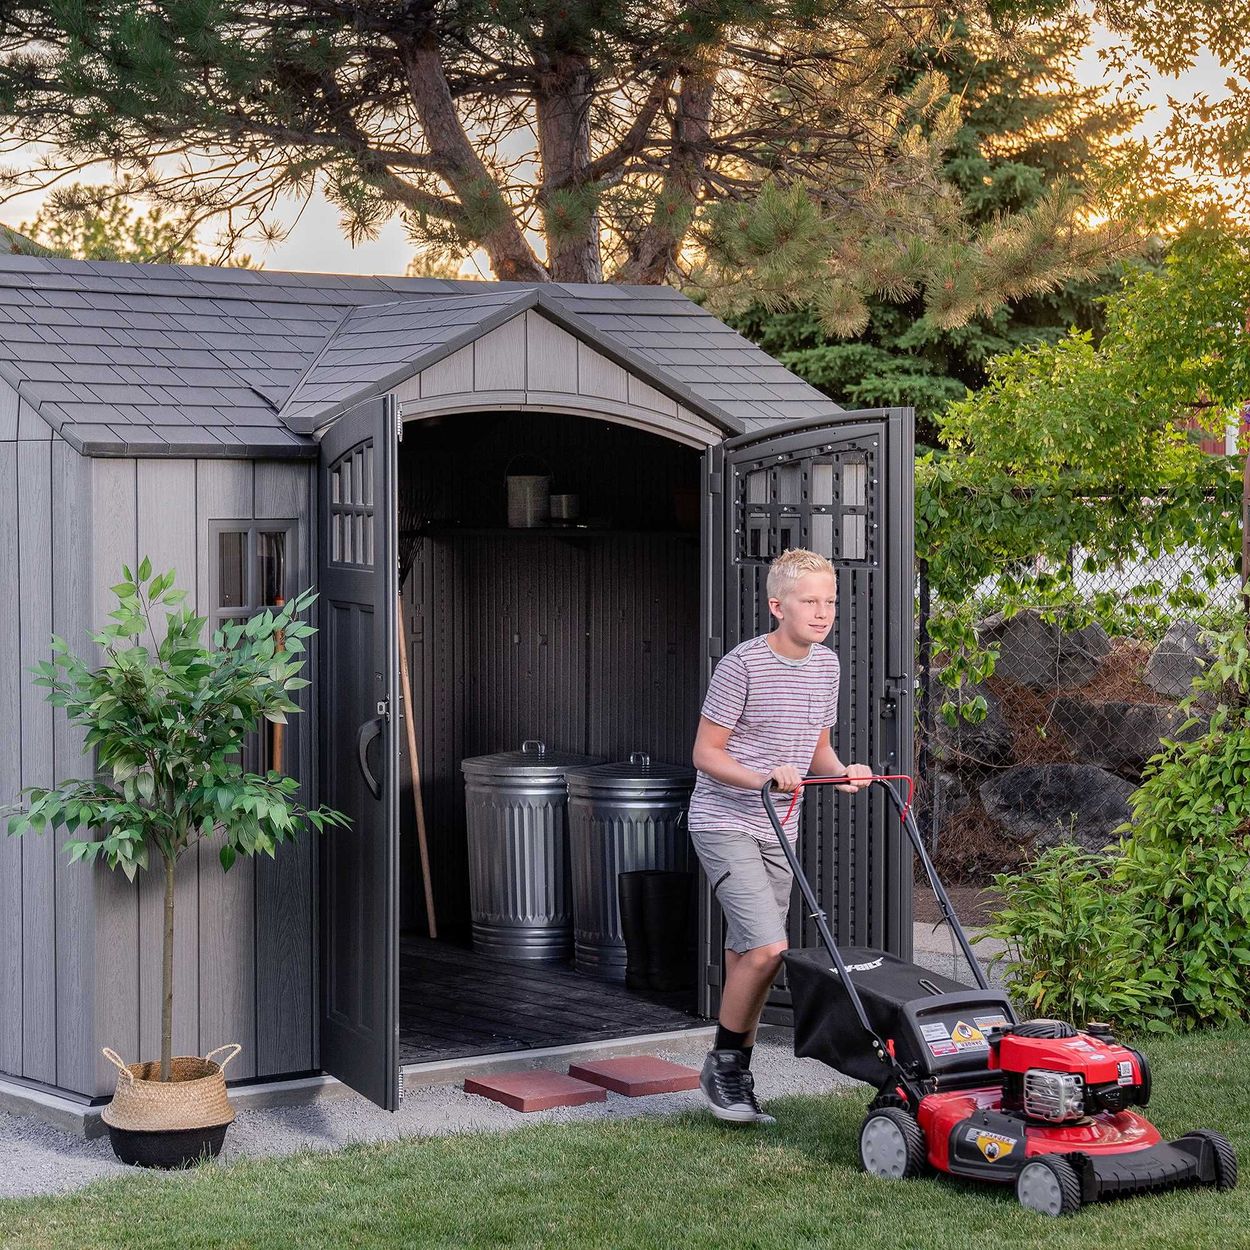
(788, 567)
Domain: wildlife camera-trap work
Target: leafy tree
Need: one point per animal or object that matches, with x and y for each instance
(1073, 445)
(1210, 137)
(1027, 123)
(105, 223)
(568, 139)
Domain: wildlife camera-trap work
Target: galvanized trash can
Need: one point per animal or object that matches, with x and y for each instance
(622, 817)
(519, 878)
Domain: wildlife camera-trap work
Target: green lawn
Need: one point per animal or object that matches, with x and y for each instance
(676, 1182)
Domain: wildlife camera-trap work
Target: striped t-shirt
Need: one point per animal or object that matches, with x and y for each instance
(777, 712)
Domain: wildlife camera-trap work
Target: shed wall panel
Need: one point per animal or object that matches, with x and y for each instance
(75, 893)
(499, 358)
(10, 776)
(34, 598)
(8, 413)
(117, 950)
(165, 526)
(227, 919)
(285, 989)
(551, 356)
(30, 425)
(599, 376)
(450, 376)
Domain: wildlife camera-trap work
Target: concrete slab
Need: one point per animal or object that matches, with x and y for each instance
(638, 1076)
(536, 1091)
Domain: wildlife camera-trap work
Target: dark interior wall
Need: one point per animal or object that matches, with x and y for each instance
(585, 638)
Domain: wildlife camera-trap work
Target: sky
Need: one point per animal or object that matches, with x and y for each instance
(316, 243)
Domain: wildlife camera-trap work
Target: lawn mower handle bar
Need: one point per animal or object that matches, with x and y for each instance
(818, 914)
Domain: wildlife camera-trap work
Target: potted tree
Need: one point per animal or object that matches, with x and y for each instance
(168, 731)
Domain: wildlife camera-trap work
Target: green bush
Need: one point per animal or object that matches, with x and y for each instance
(1157, 933)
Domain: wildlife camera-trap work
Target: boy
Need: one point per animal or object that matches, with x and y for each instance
(767, 714)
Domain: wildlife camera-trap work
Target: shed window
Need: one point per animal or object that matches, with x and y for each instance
(252, 572)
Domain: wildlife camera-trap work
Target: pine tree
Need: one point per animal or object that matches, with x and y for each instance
(1027, 123)
(569, 140)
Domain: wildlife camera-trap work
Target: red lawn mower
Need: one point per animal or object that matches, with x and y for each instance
(964, 1087)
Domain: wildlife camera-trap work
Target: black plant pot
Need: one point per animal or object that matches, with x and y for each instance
(171, 1148)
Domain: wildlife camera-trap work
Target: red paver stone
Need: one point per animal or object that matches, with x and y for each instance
(638, 1075)
(535, 1091)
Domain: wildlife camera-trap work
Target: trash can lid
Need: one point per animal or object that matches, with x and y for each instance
(639, 773)
(532, 760)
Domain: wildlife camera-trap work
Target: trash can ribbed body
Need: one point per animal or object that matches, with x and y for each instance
(519, 871)
(622, 817)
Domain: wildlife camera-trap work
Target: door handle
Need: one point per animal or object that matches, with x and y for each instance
(366, 734)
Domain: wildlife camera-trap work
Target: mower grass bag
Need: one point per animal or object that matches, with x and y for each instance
(929, 1022)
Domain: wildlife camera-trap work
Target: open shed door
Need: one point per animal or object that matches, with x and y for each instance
(844, 487)
(358, 578)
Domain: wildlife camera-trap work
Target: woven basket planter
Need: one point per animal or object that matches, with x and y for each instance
(168, 1124)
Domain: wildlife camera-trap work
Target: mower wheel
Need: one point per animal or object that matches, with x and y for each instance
(1225, 1157)
(1049, 1185)
(891, 1144)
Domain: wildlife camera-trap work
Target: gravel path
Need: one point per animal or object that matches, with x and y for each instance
(36, 1159)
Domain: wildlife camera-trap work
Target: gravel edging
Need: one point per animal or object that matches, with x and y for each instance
(38, 1159)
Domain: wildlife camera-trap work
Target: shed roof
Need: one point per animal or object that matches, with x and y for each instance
(128, 359)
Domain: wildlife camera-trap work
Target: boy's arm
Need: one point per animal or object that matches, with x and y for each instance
(710, 756)
(825, 763)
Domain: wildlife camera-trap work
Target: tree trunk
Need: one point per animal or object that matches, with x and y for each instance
(488, 216)
(562, 109)
(656, 251)
(167, 975)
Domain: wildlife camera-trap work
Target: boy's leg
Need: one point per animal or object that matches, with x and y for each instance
(752, 886)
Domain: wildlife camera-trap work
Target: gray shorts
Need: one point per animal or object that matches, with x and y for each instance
(751, 882)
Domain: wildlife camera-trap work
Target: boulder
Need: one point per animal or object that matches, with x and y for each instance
(967, 744)
(1120, 737)
(1044, 804)
(1177, 660)
(1036, 652)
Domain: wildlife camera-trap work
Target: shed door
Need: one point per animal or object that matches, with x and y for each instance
(842, 487)
(359, 751)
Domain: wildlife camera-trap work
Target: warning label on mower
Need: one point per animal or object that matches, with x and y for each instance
(934, 1032)
(968, 1037)
(986, 1023)
(993, 1146)
(944, 1048)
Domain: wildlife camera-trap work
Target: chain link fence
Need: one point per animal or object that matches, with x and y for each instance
(1080, 698)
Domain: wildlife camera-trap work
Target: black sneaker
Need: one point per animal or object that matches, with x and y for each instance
(730, 1088)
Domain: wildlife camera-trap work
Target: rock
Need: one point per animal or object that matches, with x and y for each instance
(1050, 803)
(1035, 652)
(967, 744)
(1120, 737)
(950, 796)
(1177, 660)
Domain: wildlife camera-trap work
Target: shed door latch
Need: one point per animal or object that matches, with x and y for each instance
(384, 709)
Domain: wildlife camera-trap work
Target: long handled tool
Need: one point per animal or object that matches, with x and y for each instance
(409, 723)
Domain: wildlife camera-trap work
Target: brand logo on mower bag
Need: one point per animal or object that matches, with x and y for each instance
(993, 1146)
(876, 963)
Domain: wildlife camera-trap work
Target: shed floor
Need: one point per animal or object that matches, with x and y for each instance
(455, 1002)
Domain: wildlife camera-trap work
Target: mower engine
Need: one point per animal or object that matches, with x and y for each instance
(1054, 1075)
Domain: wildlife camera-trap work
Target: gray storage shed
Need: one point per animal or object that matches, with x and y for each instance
(260, 432)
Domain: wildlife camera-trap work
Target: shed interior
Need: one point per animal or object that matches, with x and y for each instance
(584, 636)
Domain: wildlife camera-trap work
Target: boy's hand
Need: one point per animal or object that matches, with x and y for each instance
(862, 775)
(786, 777)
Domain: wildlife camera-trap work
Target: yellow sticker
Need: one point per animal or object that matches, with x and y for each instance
(964, 1034)
(995, 1147)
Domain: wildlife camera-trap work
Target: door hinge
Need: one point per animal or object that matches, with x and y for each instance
(399, 425)
(714, 485)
